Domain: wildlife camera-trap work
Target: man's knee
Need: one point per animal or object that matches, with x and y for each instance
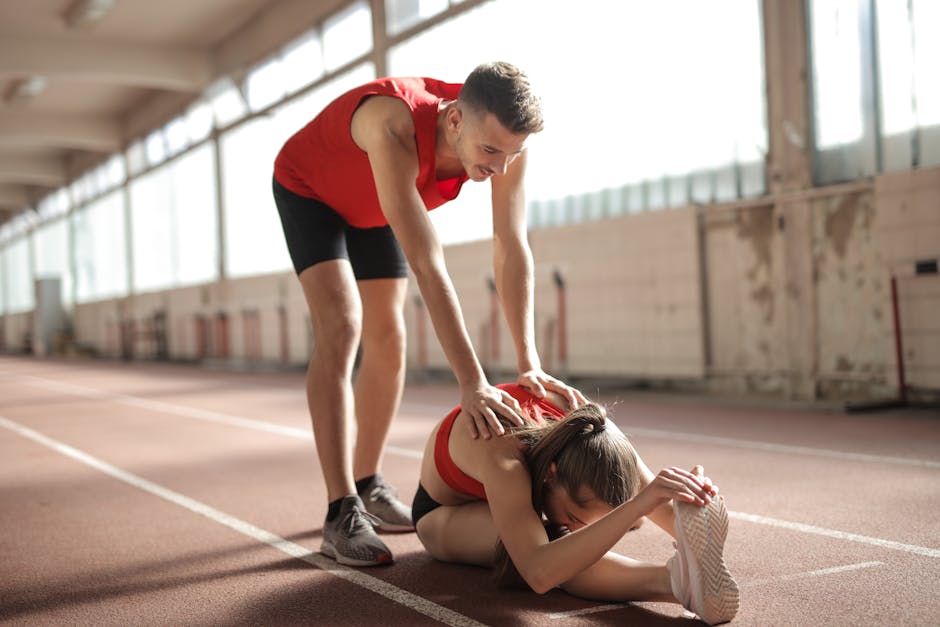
(387, 339)
(338, 337)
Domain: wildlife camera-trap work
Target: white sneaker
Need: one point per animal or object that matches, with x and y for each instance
(700, 579)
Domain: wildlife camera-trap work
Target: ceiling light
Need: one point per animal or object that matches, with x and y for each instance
(87, 13)
(26, 88)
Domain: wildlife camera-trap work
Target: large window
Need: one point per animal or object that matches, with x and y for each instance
(100, 249)
(633, 120)
(52, 254)
(17, 276)
(254, 241)
(403, 14)
(151, 213)
(876, 97)
(347, 35)
(173, 220)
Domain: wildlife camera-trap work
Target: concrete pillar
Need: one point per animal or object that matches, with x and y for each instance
(789, 170)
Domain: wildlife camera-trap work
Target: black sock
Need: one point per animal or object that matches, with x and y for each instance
(364, 483)
(333, 510)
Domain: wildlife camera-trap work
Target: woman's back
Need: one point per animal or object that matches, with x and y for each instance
(454, 460)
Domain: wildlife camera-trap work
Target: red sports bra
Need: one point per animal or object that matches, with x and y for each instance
(537, 408)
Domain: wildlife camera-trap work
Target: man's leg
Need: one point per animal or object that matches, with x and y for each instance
(336, 316)
(381, 374)
(378, 390)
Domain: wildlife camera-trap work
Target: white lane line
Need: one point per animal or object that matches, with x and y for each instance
(387, 590)
(811, 574)
(588, 610)
(306, 434)
(778, 448)
(832, 533)
(747, 584)
(191, 412)
(168, 408)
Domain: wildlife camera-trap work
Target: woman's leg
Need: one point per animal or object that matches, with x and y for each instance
(465, 534)
(619, 578)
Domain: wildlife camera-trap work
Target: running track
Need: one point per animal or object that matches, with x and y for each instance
(174, 495)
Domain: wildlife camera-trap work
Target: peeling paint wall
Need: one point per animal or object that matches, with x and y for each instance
(743, 313)
(850, 298)
(632, 294)
(741, 298)
(908, 230)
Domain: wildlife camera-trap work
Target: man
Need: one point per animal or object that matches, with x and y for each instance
(353, 189)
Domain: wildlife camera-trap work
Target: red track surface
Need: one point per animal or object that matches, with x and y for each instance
(834, 516)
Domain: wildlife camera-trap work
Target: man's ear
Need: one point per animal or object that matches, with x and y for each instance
(454, 117)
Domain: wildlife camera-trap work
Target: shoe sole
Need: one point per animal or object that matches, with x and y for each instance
(329, 550)
(703, 531)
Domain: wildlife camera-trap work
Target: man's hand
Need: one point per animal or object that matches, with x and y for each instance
(537, 381)
(483, 403)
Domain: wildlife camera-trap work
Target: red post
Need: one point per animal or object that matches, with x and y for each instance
(898, 346)
(251, 334)
(202, 338)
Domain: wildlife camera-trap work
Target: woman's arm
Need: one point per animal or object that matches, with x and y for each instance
(545, 565)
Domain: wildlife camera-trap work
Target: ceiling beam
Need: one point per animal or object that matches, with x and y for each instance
(119, 64)
(33, 170)
(278, 24)
(19, 128)
(13, 197)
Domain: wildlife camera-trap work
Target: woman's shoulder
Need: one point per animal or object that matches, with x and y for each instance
(553, 404)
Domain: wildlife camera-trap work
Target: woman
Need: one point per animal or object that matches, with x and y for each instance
(551, 498)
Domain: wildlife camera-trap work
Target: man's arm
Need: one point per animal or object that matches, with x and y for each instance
(384, 129)
(513, 273)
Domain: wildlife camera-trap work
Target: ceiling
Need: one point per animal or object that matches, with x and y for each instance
(106, 83)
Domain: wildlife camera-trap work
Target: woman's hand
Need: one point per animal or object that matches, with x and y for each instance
(537, 381)
(483, 403)
(677, 484)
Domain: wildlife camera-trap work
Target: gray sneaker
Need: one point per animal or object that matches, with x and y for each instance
(382, 502)
(350, 538)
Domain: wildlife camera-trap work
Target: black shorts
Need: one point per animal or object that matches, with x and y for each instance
(422, 505)
(316, 233)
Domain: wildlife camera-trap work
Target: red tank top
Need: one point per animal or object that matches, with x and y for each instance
(538, 409)
(322, 161)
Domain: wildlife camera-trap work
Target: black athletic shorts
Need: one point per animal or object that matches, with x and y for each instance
(422, 505)
(316, 233)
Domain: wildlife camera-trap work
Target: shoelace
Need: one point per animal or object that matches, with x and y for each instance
(357, 519)
(383, 492)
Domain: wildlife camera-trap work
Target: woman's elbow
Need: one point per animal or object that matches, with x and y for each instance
(539, 580)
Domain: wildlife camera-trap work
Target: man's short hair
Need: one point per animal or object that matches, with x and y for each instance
(503, 90)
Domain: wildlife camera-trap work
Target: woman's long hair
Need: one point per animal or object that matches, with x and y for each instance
(586, 453)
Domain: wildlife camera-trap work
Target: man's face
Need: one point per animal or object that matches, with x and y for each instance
(485, 147)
